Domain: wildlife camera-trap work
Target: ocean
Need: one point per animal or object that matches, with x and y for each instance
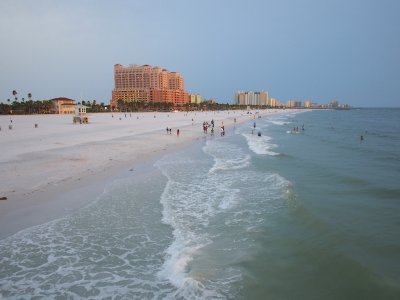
(310, 209)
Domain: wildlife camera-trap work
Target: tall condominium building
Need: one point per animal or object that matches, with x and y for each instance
(252, 98)
(274, 102)
(195, 98)
(293, 104)
(147, 83)
(308, 104)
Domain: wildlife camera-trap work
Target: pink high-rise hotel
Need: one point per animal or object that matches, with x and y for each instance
(147, 83)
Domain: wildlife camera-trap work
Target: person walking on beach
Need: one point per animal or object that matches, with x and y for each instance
(167, 130)
(222, 130)
(177, 132)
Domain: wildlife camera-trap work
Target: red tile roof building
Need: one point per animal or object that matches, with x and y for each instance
(147, 83)
(62, 105)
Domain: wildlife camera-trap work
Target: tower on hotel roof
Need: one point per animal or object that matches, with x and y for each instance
(147, 83)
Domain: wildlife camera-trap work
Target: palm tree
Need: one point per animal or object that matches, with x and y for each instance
(14, 92)
(47, 106)
(29, 96)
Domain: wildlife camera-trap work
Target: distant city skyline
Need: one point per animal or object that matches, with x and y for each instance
(261, 98)
(344, 50)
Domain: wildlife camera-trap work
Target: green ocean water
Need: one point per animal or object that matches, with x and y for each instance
(290, 214)
(339, 238)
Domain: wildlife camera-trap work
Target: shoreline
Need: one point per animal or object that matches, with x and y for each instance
(53, 181)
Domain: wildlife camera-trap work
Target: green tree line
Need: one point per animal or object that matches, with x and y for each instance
(26, 107)
(30, 106)
(132, 106)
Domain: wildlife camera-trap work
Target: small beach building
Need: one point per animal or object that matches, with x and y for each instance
(63, 105)
(80, 114)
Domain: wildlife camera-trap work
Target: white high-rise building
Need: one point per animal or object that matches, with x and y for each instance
(251, 98)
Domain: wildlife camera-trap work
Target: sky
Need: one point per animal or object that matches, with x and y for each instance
(319, 50)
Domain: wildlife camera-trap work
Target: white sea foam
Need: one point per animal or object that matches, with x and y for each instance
(260, 144)
(230, 164)
(189, 202)
(276, 122)
(226, 157)
(101, 251)
(212, 204)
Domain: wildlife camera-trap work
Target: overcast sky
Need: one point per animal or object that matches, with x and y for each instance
(348, 50)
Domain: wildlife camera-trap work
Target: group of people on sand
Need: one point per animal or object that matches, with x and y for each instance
(169, 131)
(206, 125)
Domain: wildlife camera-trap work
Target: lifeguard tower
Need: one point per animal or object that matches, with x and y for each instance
(80, 114)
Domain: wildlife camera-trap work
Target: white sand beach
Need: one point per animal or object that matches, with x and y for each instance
(55, 167)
